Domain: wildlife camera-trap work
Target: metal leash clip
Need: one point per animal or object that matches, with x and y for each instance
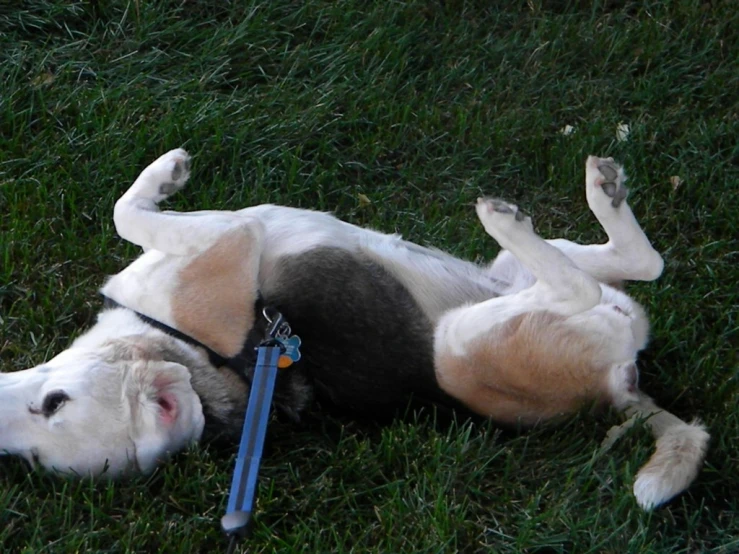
(277, 327)
(279, 331)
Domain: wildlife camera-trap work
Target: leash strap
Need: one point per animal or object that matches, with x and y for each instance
(244, 483)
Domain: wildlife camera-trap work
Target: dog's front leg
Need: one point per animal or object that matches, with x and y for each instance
(138, 219)
(200, 275)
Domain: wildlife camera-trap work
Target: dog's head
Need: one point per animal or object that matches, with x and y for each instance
(108, 411)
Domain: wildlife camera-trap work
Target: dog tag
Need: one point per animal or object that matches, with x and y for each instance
(291, 353)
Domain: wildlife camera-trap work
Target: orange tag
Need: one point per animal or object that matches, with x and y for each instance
(284, 361)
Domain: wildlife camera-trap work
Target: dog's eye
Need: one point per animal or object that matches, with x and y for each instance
(53, 401)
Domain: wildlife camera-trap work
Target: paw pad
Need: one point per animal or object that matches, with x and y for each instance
(611, 186)
(178, 170)
(167, 188)
(608, 171)
(503, 207)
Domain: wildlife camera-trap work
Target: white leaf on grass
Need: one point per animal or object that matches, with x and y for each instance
(676, 181)
(622, 132)
(43, 79)
(363, 200)
(567, 130)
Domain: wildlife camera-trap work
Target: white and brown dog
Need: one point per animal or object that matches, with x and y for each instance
(537, 334)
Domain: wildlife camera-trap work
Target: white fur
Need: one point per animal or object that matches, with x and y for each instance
(128, 415)
(110, 424)
(673, 466)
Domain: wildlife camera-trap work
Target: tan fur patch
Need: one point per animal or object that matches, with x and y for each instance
(532, 368)
(214, 299)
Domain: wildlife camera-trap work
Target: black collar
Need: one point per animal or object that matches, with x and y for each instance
(240, 362)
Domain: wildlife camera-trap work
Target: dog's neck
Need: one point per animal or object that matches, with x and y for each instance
(113, 324)
(222, 393)
(215, 359)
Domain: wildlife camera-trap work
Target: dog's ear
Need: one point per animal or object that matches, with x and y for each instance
(166, 413)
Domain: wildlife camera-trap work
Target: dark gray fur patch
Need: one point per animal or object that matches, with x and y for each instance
(366, 345)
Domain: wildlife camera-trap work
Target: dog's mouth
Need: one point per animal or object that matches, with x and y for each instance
(8, 460)
(33, 458)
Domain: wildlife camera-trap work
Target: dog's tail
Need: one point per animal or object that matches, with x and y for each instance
(678, 456)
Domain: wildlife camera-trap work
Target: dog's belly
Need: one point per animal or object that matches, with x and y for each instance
(437, 281)
(367, 346)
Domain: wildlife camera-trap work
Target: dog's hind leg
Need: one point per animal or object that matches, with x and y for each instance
(553, 348)
(680, 446)
(627, 256)
(138, 219)
(560, 288)
(503, 357)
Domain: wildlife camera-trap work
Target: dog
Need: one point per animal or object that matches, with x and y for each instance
(542, 331)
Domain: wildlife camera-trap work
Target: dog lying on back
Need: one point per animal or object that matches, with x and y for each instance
(539, 333)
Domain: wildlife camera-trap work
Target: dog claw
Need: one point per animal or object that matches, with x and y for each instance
(620, 196)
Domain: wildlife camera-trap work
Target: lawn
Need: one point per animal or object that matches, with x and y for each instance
(394, 115)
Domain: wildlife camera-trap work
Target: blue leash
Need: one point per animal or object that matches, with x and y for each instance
(244, 484)
(279, 349)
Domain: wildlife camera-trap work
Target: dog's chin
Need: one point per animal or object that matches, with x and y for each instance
(74, 463)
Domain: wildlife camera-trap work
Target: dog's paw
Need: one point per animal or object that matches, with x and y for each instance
(604, 181)
(499, 216)
(165, 176)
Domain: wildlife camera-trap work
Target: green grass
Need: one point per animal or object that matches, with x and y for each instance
(419, 107)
